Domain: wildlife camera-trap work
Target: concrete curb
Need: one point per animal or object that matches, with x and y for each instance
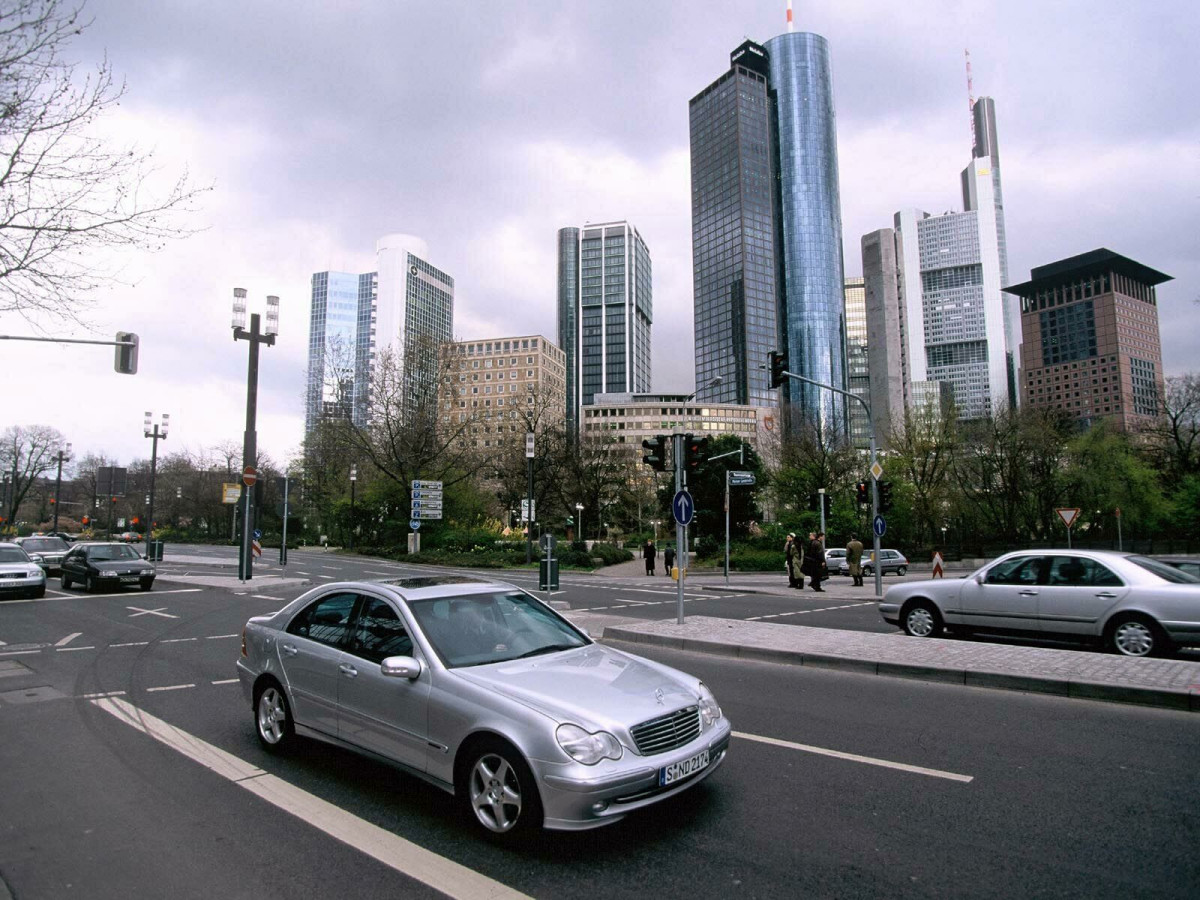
(1010, 681)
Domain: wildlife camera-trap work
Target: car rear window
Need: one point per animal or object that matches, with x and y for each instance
(1164, 571)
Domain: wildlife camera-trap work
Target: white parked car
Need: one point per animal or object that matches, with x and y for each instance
(19, 574)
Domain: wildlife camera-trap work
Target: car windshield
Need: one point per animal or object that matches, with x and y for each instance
(13, 555)
(1164, 571)
(45, 545)
(486, 628)
(112, 551)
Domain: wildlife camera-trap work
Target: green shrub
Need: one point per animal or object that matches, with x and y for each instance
(572, 558)
(610, 554)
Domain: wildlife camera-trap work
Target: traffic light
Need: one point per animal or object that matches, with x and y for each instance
(126, 357)
(885, 496)
(828, 505)
(86, 521)
(654, 452)
(862, 493)
(695, 451)
(779, 365)
(814, 502)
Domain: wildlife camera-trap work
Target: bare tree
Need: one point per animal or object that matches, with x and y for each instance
(25, 455)
(64, 191)
(924, 448)
(1175, 434)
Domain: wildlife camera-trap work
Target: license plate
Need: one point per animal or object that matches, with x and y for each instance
(684, 768)
(128, 579)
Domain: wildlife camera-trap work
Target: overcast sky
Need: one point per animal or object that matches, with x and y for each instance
(485, 127)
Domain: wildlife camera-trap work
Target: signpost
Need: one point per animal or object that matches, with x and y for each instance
(1068, 515)
(938, 571)
(425, 502)
(683, 507)
(733, 479)
(231, 493)
(879, 526)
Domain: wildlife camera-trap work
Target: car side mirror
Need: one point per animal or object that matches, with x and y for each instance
(401, 667)
(979, 577)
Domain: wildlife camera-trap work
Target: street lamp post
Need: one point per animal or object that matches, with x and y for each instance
(63, 455)
(156, 432)
(250, 439)
(579, 517)
(353, 483)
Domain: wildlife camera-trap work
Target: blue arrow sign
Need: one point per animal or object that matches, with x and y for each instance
(683, 507)
(879, 526)
(257, 534)
(415, 524)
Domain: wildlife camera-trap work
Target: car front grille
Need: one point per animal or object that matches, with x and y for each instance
(14, 575)
(667, 732)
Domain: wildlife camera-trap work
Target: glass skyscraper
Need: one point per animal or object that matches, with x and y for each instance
(605, 310)
(766, 229)
(858, 374)
(406, 304)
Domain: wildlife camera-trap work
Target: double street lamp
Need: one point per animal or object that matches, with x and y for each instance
(579, 519)
(353, 482)
(63, 455)
(156, 431)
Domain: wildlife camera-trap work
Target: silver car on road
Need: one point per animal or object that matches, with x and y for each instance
(1136, 605)
(485, 691)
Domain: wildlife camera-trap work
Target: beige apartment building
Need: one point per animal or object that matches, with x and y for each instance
(501, 388)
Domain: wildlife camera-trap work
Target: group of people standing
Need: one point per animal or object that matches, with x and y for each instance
(650, 553)
(809, 559)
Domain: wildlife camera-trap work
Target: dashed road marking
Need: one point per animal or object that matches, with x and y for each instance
(170, 687)
(70, 649)
(177, 640)
(217, 637)
(854, 757)
(132, 644)
(227, 681)
(68, 639)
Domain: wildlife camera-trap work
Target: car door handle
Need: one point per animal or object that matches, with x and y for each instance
(1107, 595)
(1028, 593)
(289, 649)
(348, 670)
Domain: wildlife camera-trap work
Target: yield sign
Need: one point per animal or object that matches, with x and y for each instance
(1068, 515)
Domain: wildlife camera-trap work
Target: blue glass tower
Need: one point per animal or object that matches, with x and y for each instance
(812, 326)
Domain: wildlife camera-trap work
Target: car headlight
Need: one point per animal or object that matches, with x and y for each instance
(710, 710)
(36, 557)
(587, 747)
(34, 572)
(107, 573)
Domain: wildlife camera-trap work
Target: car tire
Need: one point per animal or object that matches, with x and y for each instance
(273, 718)
(146, 585)
(867, 571)
(498, 790)
(1137, 636)
(903, 570)
(39, 593)
(920, 618)
(89, 584)
(65, 581)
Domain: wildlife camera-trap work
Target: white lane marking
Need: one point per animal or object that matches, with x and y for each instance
(177, 640)
(19, 652)
(332, 568)
(405, 857)
(150, 612)
(227, 681)
(301, 573)
(326, 577)
(373, 572)
(264, 597)
(68, 639)
(854, 757)
(217, 637)
(69, 649)
(170, 687)
(102, 694)
(131, 644)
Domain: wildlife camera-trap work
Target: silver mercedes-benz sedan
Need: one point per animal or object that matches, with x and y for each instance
(485, 691)
(1136, 605)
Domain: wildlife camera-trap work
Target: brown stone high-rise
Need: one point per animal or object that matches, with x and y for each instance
(1089, 338)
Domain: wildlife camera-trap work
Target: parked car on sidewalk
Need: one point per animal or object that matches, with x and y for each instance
(46, 551)
(485, 691)
(20, 575)
(1134, 605)
(106, 565)
(890, 561)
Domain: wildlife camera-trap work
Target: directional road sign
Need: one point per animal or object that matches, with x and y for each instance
(426, 513)
(683, 507)
(879, 526)
(426, 504)
(741, 478)
(426, 494)
(426, 485)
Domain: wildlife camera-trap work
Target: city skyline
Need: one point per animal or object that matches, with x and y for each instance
(487, 175)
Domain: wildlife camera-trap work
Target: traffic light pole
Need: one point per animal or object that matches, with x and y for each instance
(681, 555)
(878, 573)
(250, 438)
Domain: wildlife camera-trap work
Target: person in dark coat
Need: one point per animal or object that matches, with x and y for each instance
(814, 561)
(649, 552)
(854, 554)
(792, 558)
(669, 560)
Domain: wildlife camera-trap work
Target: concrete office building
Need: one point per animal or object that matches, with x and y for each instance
(605, 310)
(934, 296)
(766, 229)
(500, 389)
(1090, 339)
(407, 305)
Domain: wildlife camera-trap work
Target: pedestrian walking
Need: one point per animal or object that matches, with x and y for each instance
(669, 560)
(649, 552)
(814, 560)
(854, 553)
(792, 559)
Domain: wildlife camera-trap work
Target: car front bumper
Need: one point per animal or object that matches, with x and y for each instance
(10, 586)
(890, 612)
(575, 803)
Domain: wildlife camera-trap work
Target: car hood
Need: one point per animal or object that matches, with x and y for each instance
(24, 568)
(593, 686)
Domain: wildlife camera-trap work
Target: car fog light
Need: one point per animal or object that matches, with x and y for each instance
(599, 806)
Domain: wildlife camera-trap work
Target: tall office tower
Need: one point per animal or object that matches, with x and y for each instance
(1091, 343)
(766, 228)
(406, 304)
(950, 317)
(605, 309)
(857, 361)
(886, 366)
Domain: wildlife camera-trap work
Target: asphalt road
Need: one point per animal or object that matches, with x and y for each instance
(1029, 795)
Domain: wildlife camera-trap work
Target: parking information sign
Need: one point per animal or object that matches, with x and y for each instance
(426, 502)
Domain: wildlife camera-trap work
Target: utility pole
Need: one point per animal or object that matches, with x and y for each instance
(153, 432)
(353, 484)
(250, 440)
(63, 454)
(529, 518)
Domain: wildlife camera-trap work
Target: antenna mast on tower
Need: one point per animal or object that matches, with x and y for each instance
(970, 94)
(789, 16)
